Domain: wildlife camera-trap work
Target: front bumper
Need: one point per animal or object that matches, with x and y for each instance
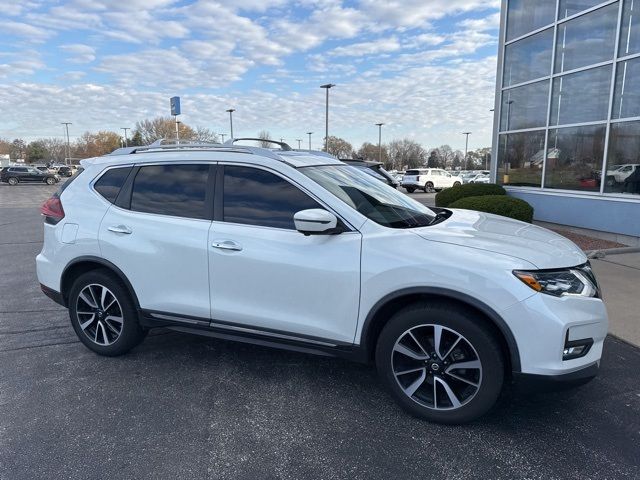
(542, 325)
(529, 382)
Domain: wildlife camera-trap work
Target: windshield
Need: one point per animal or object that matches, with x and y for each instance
(372, 198)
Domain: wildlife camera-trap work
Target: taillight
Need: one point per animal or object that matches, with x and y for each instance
(52, 210)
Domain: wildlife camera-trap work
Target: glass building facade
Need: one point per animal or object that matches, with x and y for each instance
(567, 116)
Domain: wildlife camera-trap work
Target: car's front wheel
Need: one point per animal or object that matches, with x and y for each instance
(440, 363)
(103, 314)
(455, 184)
(50, 180)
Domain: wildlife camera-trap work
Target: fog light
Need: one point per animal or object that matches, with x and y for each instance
(576, 348)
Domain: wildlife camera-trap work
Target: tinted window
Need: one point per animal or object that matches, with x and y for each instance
(630, 29)
(520, 158)
(571, 7)
(528, 58)
(581, 96)
(524, 16)
(177, 190)
(109, 184)
(20, 170)
(626, 102)
(524, 107)
(587, 39)
(257, 197)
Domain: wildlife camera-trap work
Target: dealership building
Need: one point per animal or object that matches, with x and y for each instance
(567, 113)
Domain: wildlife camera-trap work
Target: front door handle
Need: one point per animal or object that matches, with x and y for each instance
(120, 229)
(226, 245)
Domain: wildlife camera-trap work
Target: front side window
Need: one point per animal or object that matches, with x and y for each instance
(178, 190)
(375, 200)
(109, 184)
(256, 197)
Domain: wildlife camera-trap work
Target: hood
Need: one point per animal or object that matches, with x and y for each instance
(494, 233)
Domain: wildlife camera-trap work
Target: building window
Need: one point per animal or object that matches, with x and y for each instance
(571, 7)
(524, 16)
(623, 160)
(521, 156)
(528, 59)
(626, 100)
(587, 39)
(581, 97)
(574, 158)
(525, 107)
(630, 29)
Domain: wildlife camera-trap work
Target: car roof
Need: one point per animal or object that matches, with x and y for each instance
(159, 152)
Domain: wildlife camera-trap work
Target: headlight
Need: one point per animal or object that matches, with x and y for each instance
(572, 281)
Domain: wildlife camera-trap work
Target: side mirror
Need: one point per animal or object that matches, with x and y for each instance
(316, 221)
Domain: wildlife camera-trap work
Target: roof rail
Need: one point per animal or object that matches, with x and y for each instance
(283, 145)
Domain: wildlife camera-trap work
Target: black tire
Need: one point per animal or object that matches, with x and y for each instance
(422, 317)
(50, 181)
(13, 181)
(428, 187)
(131, 333)
(410, 189)
(455, 184)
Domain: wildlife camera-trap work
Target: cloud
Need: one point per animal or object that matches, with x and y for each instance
(383, 45)
(80, 53)
(19, 29)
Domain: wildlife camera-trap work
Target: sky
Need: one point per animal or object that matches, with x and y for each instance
(424, 68)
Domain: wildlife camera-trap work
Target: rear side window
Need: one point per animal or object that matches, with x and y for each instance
(257, 197)
(109, 184)
(179, 190)
(413, 172)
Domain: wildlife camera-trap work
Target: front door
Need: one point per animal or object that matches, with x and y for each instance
(266, 276)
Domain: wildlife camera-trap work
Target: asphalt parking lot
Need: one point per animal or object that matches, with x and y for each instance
(181, 406)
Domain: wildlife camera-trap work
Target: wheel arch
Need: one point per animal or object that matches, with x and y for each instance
(88, 263)
(383, 309)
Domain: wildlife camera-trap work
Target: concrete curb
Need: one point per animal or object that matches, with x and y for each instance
(611, 251)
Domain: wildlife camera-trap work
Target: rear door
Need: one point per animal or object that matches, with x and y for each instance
(156, 233)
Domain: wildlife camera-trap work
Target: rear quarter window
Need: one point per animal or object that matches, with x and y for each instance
(110, 183)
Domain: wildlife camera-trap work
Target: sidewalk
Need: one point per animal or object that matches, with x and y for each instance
(619, 277)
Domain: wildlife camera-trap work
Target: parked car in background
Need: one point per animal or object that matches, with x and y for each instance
(619, 173)
(429, 179)
(373, 168)
(481, 178)
(16, 175)
(65, 171)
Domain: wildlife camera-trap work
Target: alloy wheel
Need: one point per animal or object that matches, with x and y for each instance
(99, 314)
(436, 367)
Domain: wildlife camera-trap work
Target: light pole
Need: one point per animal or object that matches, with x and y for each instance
(178, 122)
(309, 133)
(466, 146)
(326, 86)
(380, 141)
(66, 126)
(126, 139)
(230, 111)
(299, 142)
(222, 135)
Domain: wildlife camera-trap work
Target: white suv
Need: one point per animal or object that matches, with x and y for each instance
(429, 179)
(298, 250)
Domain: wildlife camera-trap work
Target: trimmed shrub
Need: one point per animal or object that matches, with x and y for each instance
(499, 204)
(447, 196)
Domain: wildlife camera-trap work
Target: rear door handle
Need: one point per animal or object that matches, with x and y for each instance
(226, 245)
(120, 229)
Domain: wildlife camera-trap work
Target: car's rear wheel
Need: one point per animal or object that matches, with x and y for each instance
(103, 314)
(410, 189)
(13, 181)
(428, 187)
(50, 180)
(440, 363)
(455, 184)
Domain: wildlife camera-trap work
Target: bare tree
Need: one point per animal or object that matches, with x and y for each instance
(204, 135)
(162, 127)
(96, 144)
(406, 153)
(339, 147)
(369, 151)
(264, 135)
